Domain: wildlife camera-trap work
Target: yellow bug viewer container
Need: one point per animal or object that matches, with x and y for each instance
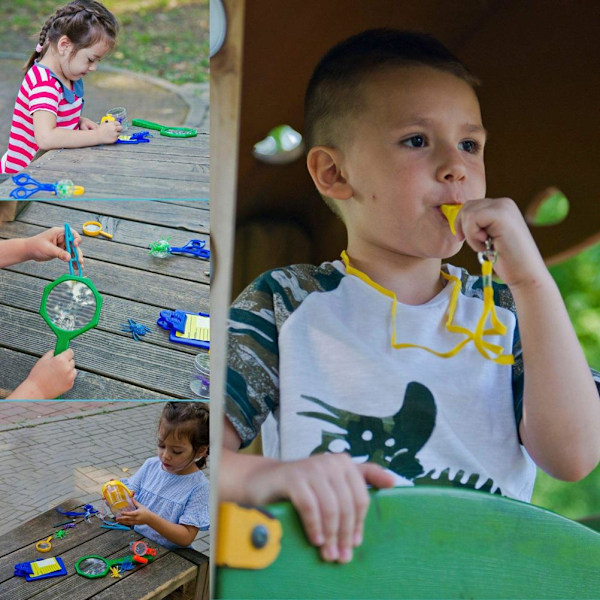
(118, 497)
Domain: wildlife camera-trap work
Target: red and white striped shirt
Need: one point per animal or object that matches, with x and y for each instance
(40, 90)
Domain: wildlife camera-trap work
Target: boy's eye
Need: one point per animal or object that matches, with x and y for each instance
(470, 146)
(415, 141)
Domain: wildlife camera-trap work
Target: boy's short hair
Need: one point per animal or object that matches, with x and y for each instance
(334, 90)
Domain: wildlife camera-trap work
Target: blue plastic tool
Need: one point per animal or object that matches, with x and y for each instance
(193, 247)
(72, 250)
(28, 186)
(89, 510)
(110, 525)
(141, 137)
(42, 568)
(186, 328)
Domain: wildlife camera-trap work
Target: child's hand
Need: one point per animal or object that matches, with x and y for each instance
(329, 491)
(519, 260)
(140, 516)
(87, 124)
(50, 377)
(109, 132)
(51, 244)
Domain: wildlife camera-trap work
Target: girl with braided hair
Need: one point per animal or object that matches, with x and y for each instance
(170, 490)
(47, 111)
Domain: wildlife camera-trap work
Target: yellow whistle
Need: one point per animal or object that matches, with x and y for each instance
(451, 212)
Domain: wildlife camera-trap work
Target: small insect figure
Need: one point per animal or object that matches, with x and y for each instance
(61, 533)
(115, 572)
(137, 330)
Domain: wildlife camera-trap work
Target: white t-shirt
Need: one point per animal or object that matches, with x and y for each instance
(310, 356)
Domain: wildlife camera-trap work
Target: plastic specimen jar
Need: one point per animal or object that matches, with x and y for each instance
(120, 114)
(200, 383)
(118, 497)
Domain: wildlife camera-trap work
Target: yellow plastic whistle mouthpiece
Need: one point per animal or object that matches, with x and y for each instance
(451, 212)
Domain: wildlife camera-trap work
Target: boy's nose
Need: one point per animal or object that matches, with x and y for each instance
(451, 167)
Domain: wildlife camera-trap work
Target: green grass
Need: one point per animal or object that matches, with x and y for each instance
(164, 38)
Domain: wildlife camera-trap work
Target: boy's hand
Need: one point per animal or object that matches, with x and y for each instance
(519, 260)
(50, 377)
(51, 244)
(140, 516)
(109, 132)
(330, 493)
(87, 124)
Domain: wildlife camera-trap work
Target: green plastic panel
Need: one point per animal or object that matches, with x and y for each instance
(434, 543)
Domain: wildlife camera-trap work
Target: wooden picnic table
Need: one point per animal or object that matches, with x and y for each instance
(163, 168)
(184, 570)
(134, 285)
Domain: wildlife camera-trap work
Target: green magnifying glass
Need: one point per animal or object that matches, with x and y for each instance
(94, 566)
(175, 132)
(70, 305)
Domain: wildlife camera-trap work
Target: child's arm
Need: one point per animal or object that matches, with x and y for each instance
(50, 377)
(328, 490)
(49, 136)
(85, 124)
(561, 409)
(182, 535)
(41, 247)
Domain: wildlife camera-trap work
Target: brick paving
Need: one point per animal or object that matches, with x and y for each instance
(51, 451)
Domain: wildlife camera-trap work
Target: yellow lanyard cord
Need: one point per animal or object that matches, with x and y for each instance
(486, 349)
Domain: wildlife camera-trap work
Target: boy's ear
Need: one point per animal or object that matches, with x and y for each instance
(324, 166)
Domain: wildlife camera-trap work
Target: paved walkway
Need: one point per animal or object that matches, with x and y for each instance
(51, 451)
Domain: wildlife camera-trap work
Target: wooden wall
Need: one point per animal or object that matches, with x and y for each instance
(540, 66)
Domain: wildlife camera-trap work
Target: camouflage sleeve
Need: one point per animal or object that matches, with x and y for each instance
(252, 381)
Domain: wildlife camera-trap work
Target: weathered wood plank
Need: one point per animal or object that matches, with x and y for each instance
(15, 290)
(124, 164)
(155, 215)
(116, 280)
(137, 363)
(15, 366)
(28, 533)
(100, 184)
(158, 579)
(110, 544)
(135, 256)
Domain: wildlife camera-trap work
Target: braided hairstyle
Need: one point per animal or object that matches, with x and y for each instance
(84, 22)
(186, 420)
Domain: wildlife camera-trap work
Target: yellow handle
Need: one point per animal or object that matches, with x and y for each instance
(44, 545)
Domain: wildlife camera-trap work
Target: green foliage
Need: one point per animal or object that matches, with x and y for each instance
(164, 38)
(552, 210)
(579, 281)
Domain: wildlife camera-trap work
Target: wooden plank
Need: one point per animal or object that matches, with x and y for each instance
(136, 363)
(15, 366)
(429, 542)
(96, 186)
(15, 290)
(122, 165)
(111, 544)
(124, 282)
(156, 580)
(153, 214)
(201, 585)
(135, 255)
(28, 533)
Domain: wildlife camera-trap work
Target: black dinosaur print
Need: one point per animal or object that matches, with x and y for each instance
(391, 442)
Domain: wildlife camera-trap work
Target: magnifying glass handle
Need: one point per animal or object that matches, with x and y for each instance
(62, 344)
(106, 235)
